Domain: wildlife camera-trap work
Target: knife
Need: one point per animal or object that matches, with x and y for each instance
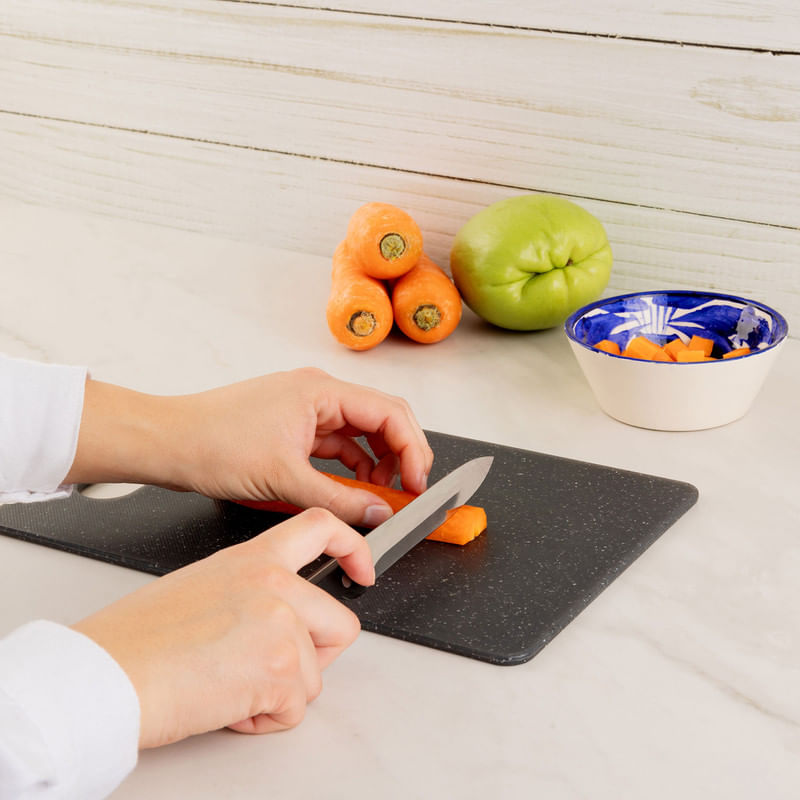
(392, 539)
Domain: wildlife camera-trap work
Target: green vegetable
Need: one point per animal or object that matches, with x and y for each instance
(528, 262)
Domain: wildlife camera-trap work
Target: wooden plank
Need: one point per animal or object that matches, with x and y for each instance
(767, 24)
(691, 129)
(303, 204)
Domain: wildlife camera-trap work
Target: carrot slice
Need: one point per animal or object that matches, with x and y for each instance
(691, 355)
(739, 351)
(641, 347)
(426, 303)
(660, 355)
(359, 311)
(385, 240)
(607, 346)
(462, 524)
(702, 344)
(672, 348)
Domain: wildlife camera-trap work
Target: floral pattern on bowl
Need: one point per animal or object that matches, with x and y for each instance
(730, 321)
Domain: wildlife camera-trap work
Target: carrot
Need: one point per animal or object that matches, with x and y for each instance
(674, 347)
(384, 240)
(607, 346)
(691, 355)
(739, 351)
(359, 311)
(642, 347)
(426, 303)
(462, 524)
(702, 344)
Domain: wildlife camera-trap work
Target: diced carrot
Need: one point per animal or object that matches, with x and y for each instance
(641, 347)
(739, 351)
(607, 346)
(672, 348)
(691, 355)
(660, 355)
(461, 525)
(701, 343)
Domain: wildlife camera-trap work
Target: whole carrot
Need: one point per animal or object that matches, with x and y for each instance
(384, 240)
(359, 311)
(426, 303)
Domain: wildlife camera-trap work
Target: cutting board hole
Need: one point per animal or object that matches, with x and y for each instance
(105, 491)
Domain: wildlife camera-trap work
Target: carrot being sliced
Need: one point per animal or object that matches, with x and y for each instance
(462, 524)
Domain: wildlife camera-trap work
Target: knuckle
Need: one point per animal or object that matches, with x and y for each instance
(283, 660)
(274, 578)
(351, 627)
(311, 373)
(314, 688)
(319, 516)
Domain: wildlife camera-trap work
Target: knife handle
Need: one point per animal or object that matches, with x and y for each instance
(334, 580)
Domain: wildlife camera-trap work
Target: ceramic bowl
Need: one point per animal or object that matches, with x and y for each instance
(676, 396)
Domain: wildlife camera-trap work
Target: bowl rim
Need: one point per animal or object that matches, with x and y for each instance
(782, 326)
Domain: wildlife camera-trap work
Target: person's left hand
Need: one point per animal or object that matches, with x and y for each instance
(252, 441)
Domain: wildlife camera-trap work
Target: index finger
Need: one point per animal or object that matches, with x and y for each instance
(301, 539)
(389, 420)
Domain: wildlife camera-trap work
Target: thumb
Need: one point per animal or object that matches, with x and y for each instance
(308, 488)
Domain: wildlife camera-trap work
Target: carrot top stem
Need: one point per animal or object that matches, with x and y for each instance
(393, 245)
(362, 323)
(427, 317)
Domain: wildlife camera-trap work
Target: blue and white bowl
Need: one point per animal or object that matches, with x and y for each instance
(676, 396)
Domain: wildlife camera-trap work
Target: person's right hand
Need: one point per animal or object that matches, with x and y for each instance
(237, 639)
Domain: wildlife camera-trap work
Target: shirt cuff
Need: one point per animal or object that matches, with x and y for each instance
(40, 417)
(80, 701)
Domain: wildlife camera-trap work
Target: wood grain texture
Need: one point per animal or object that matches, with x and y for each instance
(690, 129)
(272, 122)
(303, 204)
(771, 25)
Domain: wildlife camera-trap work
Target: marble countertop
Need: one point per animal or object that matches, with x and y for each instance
(681, 680)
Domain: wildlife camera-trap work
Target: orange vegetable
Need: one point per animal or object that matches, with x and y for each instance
(384, 240)
(702, 344)
(674, 347)
(607, 346)
(739, 351)
(691, 355)
(698, 349)
(359, 311)
(462, 525)
(426, 303)
(642, 347)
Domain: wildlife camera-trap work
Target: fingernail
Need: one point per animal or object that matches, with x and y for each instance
(423, 481)
(376, 514)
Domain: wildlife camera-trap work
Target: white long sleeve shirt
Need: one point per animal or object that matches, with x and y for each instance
(69, 715)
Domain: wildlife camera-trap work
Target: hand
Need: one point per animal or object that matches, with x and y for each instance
(252, 441)
(237, 639)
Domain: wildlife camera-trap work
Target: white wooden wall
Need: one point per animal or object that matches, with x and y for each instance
(676, 122)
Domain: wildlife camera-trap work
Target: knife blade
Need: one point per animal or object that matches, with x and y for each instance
(406, 528)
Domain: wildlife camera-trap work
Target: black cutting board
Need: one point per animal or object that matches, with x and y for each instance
(560, 531)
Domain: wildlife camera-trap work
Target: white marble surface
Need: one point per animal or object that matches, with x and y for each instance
(681, 680)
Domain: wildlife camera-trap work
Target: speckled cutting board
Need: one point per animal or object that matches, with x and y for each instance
(559, 532)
